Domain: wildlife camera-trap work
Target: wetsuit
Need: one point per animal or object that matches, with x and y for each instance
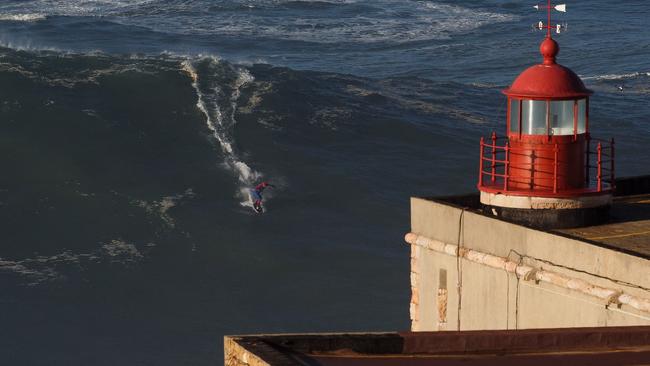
(257, 195)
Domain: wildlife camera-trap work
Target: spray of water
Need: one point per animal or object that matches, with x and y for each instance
(217, 100)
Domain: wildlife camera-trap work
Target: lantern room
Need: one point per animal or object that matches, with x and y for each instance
(547, 100)
(546, 165)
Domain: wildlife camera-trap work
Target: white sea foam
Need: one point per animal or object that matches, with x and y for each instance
(90, 75)
(71, 7)
(44, 269)
(122, 251)
(243, 77)
(631, 75)
(34, 276)
(244, 194)
(423, 21)
(29, 17)
(161, 208)
(26, 44)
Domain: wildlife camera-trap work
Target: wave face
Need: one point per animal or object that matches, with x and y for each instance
(131, 132)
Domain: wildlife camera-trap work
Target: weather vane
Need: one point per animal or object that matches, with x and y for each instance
(549, 8)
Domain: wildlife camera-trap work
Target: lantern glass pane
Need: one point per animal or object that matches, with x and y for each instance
(562, 117)
(514, 115)
(582, 116)
(533, 117)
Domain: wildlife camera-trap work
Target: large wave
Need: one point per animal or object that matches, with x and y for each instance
(128, 106)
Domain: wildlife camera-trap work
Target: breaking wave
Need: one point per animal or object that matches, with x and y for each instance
(139, 141)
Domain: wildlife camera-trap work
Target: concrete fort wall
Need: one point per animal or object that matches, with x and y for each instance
(472, 272)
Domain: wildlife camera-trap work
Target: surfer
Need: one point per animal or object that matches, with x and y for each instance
(257, 195)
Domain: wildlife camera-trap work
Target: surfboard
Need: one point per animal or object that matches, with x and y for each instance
(254, 196)
(259, 209)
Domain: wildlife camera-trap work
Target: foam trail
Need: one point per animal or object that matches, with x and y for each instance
(244, 77)
(221, 123)
(617, 76)
(31, 17)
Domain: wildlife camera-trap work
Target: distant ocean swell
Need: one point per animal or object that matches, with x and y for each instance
(310, 21)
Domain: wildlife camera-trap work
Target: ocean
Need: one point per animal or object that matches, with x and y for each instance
(131, 132)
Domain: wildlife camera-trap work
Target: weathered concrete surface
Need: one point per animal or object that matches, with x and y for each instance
(424, 308)
(477, 313)
(493, 299)
(545, 306)
(435, 220)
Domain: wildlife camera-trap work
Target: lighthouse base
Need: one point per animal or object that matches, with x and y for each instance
(549, 213)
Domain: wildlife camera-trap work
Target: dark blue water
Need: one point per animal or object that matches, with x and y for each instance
(131, 130)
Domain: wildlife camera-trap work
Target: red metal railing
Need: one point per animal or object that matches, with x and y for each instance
(496, 165)
(604, 169)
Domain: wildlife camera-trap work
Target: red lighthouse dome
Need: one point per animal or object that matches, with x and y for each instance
(547, 170)
(548, 79)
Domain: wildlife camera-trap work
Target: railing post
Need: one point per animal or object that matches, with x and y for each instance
(612, 184)
(588, 161)
(506, 171)
(600, 167)
(480, 164)
(494, 156)
(555, 169)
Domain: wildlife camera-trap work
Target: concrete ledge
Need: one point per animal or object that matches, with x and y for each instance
(592, 346)
(544, 203)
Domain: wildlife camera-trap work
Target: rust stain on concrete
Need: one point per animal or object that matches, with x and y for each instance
(442, 309)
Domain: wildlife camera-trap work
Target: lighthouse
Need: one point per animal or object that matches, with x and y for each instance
(547, 170)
